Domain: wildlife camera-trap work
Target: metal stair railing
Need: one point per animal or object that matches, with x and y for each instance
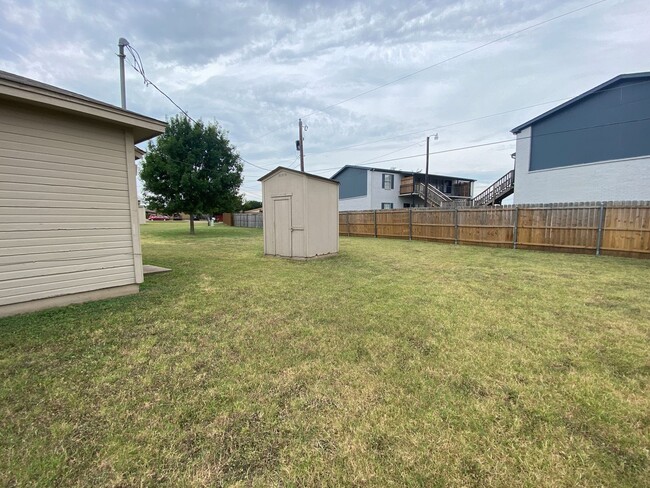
(501, 188)
(435, 198)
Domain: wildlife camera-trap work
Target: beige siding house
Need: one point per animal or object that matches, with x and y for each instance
(301, 214)
(69, 227)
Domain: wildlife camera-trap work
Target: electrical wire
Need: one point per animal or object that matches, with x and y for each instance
(419, 143)
(431, 129)
(493, 41)
(252, 164)
(474, 146)
(295, 161)
(475, 119)
(139, 67)
(256, 191)
(439, 63)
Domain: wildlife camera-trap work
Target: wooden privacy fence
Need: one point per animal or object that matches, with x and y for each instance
(615, 228)
(247, 220)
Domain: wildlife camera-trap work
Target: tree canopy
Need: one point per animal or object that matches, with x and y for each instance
(251, 204)
(192, 168)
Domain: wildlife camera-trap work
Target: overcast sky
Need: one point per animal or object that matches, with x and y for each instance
(256, 67)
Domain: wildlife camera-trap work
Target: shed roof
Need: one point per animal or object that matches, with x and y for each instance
(308, 175)
(607, 84)
(407, 173)
(34, 92)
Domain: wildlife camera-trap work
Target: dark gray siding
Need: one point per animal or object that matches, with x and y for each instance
(354, 183)
(571, 136)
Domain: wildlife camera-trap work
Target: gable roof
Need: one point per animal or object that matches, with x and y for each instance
(308, 175)
(34, 92)
(613, 81)
(398, 171)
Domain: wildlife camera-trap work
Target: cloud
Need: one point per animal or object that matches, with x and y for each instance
(256, 67)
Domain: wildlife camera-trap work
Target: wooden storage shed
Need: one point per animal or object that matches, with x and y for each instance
(69, 228)
(301, 214)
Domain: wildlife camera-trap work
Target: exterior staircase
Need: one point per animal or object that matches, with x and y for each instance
(435, 198)
(495, 193)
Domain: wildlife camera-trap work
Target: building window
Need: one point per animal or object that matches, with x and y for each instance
(387, 181)
(386, 206)
(407, 205)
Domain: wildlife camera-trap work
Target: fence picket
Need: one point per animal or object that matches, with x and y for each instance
(615, 228)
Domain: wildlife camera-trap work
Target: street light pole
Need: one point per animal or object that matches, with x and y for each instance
(426, 177)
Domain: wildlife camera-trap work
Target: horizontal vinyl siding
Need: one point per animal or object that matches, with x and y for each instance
(65, 224)
(37, 190)
(46, 268)
(68, 256)
(91, 224)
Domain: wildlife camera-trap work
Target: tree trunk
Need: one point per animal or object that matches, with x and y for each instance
(192, 224)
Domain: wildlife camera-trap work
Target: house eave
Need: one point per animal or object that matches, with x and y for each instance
(34, 93)
(629, 76)
(402, 172)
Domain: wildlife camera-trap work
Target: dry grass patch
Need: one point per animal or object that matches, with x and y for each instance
(396, 363)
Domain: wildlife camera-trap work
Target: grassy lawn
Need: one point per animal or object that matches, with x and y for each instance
(394, 364)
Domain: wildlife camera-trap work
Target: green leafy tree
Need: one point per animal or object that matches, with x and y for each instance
(251, 204)
(192, 168)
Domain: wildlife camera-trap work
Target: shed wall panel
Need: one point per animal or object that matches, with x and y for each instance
(314, 213)
(65, 206)
(322, 227)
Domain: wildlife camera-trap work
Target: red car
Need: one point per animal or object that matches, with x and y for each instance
(158, 217)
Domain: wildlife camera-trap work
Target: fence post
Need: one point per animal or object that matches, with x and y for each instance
(375, 215)
(410, 224)
(516, 228)
(601, 223)
(456, 225)
(347, 220)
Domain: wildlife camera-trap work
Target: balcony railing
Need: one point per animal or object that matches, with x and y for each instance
(406, 186)
(496, 192)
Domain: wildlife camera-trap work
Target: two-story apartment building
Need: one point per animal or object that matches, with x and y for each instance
(595, 147)
(365, 188)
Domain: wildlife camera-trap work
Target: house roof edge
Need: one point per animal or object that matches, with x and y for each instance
(562, 106)
(308, 175)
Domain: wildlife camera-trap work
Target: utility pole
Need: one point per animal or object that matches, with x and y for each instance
(302, 153)
(426, 176)
(121, 44)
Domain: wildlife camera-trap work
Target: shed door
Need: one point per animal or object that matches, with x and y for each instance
(282, 226)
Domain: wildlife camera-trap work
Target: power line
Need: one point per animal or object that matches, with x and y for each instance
(451, 58)
(474, 146)
(392, 152)
(248, 190)
(139, 67)
(431, 129)
(252, 164)
(482, 117)
(471, 120)
(294, 162)
(362, 163)
(493, 41)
